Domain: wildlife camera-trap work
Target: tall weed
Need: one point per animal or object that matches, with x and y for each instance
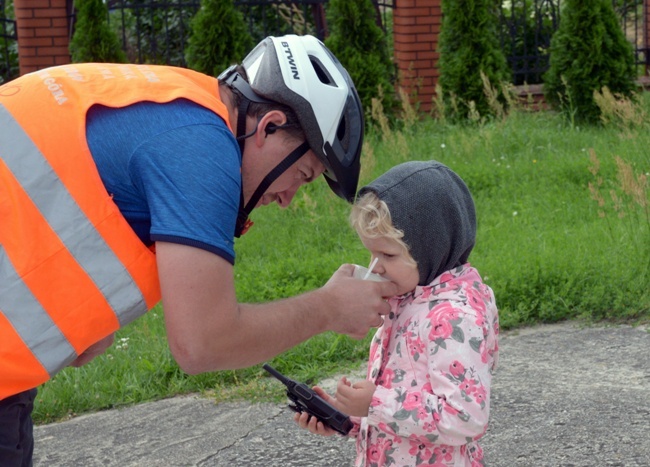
(628, 201)
(620, 111)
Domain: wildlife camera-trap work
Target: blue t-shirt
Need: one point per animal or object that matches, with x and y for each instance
(174, 171)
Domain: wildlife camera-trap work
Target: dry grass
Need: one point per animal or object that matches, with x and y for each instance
(619, 110)
(627, 199)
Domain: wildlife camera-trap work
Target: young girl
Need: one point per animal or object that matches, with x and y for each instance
(426, 398)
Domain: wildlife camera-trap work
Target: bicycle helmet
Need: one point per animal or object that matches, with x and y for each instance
(301, 73)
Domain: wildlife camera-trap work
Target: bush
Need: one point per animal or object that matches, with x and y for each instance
(588, 52)
(93, 40)
(362, 48)
(8, 60)
(469, 47)
(219, 37)
(8, 44)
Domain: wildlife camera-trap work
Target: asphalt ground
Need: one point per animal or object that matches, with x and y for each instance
(565, 394)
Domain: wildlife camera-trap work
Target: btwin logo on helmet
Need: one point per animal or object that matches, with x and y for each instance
(291, 60)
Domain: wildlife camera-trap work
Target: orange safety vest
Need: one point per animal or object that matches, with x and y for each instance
(72, 271)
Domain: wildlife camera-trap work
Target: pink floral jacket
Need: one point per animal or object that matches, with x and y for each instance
(432, 362)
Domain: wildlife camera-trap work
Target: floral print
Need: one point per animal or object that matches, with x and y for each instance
(432, 362)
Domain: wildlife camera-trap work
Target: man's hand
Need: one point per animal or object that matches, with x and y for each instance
(356, 305)
(208, 330)
(93, 351)
(354, 399)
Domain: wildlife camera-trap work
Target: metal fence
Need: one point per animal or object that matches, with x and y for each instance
(528, 25)
(157, 28)
(8, 44)
(526, 30)
(631, 15)
(156, 31)
(153, 31)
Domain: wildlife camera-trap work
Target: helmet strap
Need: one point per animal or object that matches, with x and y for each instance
(242, 217)
(242, 112)
(242, 224)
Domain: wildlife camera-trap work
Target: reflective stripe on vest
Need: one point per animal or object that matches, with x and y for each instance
(72, 270)
(80, 237)
(31, 321)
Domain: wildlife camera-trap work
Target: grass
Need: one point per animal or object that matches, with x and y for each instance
(563, 233)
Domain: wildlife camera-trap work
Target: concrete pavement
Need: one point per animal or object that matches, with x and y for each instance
(564, 395)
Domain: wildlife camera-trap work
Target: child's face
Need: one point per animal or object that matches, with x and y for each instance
(393, 263)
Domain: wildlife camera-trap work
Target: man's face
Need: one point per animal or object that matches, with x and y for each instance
(283, 189)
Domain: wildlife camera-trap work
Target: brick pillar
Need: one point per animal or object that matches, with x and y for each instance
(42, 27)
(416, 28)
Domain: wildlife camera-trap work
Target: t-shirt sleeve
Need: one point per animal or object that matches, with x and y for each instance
(191, 179)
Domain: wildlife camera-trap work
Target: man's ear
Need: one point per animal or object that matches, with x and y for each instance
(268, 124)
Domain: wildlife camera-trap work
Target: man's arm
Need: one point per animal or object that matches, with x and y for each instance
(208, 330)
(93, 351)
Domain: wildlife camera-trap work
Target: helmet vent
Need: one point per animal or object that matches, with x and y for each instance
(321, 72)
(341, 133)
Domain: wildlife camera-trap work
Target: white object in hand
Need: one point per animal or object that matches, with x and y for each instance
(364, 273)
(370, 268)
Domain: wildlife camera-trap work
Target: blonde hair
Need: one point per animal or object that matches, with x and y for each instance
(370, 217)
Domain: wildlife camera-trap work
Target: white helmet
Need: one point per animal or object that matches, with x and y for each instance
(301, 73)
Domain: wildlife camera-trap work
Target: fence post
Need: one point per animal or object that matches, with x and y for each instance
(43, 33)
(416, 29)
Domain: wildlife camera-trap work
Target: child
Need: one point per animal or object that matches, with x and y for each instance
(426, 397)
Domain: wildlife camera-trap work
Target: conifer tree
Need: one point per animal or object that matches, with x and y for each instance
(469, 45)
(219, 37)
(93, 40)
(361, 47)
(9, 68)
(588, 52)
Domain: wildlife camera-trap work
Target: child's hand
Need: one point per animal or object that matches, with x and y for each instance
(354, 399)
(307, 422)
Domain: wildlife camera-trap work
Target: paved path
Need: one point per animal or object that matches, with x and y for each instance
(564, 395)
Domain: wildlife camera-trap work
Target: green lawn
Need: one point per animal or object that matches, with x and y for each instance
(545, 246)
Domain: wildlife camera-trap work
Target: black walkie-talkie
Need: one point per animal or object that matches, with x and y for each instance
(306, 400)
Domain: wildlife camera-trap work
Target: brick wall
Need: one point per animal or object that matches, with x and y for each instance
(42, 28)
(416, 27)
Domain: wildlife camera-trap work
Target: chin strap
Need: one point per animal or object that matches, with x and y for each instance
(243, 223)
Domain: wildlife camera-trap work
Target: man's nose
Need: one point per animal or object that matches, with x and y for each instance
(285, 197)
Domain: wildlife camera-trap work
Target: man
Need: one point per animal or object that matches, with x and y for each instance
(124, 184)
